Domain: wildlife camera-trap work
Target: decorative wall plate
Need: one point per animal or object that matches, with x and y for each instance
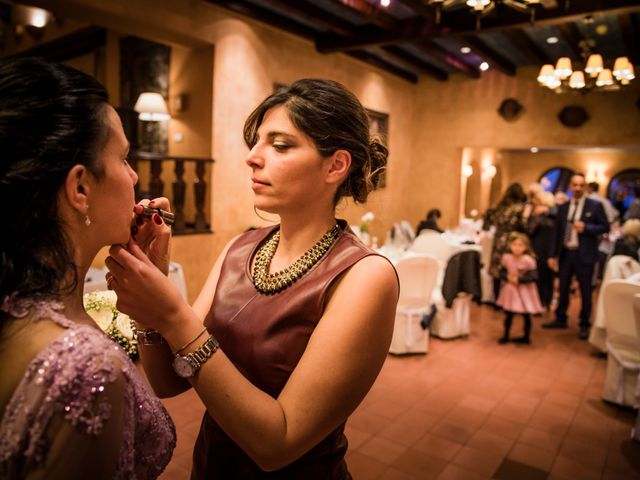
(573, 116)
(510, 109)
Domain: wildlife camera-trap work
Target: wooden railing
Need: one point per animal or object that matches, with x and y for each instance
(188, 197)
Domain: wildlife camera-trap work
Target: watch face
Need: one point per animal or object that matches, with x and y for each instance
(183, 367)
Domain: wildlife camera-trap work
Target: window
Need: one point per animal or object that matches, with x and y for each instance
(556, 179)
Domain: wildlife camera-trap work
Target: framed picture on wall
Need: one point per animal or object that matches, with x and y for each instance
(379, 125)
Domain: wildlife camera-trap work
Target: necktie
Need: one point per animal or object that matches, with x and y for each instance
(567, 232)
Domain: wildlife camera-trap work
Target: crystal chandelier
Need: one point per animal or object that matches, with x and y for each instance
(563, 78)
(481, 8)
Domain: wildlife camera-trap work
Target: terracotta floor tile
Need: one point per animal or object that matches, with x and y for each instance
(502, 427)
(453, 431)
(512, 470)
(514, 412)
(415, 416)
(382, 449)
(355, 437)
(364, 467)
(392, 473)
(589, 455)
(490, 442)
(402, 433)
(573, 469)
(533, 456)
(540, 439)
(479, 403)
(480, 461)
(386, 408)
(438, 446)
(455, 472)
(420, 464)
(368, 422)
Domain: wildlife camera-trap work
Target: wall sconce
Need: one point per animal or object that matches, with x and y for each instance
(488, 171)
(152, 107)
(595, 173)
(467, 170)
(31, 16)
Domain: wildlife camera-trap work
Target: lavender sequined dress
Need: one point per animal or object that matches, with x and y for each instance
(67, 378)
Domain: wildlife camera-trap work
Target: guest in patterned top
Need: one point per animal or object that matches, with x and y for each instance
(507, 217)
(72, 405)
(302, 312)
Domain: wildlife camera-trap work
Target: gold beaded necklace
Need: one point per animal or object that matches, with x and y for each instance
(272, 283)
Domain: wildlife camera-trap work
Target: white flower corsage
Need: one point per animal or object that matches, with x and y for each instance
(101, 306)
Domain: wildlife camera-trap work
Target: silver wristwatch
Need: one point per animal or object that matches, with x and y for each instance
(187, 365)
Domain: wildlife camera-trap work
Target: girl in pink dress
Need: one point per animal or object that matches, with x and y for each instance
(519, 294)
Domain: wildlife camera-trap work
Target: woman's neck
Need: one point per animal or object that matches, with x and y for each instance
(299, 234)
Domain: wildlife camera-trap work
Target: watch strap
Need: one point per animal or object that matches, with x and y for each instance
(198, 357)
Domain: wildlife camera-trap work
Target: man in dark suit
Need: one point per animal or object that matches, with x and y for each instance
(574, 251)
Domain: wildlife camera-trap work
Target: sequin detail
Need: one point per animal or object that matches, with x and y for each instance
(70, 377)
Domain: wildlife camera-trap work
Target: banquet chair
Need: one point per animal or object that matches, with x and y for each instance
(618, 267)
(432, 243)
(623, 343)
(635, 431)
(460, 285)
(417, 275)
(486, 244)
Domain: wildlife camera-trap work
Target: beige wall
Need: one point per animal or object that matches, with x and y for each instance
(430, 123)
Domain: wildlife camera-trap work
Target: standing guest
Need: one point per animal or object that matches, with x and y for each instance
(72, 404)
(507, 217)
(540, 226)
(633, 210)
(298, 317)
(519, 294)
(574, 251)
(629, 241)
(593, 189)
(431, 222)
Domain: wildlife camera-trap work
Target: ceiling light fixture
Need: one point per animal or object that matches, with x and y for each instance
(484, 66)
(563, 78)
(552, 40)
(465, 50)
(385, 3)
(481, 8)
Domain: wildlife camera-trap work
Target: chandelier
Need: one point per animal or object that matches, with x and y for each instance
(563, 78)
(481, 8)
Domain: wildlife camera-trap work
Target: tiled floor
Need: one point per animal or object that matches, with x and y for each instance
(471, 409)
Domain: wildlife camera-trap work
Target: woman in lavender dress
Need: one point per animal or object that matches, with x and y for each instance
(72, 405)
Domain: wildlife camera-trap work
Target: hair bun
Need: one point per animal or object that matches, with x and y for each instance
(379, 153)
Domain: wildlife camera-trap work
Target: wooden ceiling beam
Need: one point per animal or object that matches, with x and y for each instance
(573, 37)
(436, 51)
(384, 65)
(631, 37)
(411, 60)
(488, 54)
(315, 15)
(528, 47)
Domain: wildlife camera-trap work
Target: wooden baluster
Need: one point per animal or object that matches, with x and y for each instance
(156, 185)
(200, 190)
(179, 189)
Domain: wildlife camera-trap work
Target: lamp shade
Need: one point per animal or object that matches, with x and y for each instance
(594, 65)
(577, 80)
(604, 78)
(563, 67)
(152, 107)
(547, 73)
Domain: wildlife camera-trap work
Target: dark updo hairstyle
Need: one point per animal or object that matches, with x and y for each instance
(334, 119)
(52, 117)
(514, 194)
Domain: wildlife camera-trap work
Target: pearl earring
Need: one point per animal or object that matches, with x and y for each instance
(87, 220)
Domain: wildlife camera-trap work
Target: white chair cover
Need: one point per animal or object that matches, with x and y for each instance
(635, 432)
(432, 243)
(618, 267)
(451, 322)
(623, 343)
(417, 276)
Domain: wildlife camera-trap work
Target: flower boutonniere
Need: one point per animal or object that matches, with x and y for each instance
(101, 306)
(587, 214)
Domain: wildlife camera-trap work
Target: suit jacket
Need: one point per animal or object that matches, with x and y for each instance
(595, 224)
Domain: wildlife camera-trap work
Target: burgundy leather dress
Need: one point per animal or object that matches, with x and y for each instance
(265, 336)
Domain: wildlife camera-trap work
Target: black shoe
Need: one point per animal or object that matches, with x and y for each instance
(523, 340)
(503, 340)
(584, 333)
(555, 324)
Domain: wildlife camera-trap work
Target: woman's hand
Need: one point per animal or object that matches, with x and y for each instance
(144, 293)
(152, 234)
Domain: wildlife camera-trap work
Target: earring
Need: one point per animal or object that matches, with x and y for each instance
(87, 220)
